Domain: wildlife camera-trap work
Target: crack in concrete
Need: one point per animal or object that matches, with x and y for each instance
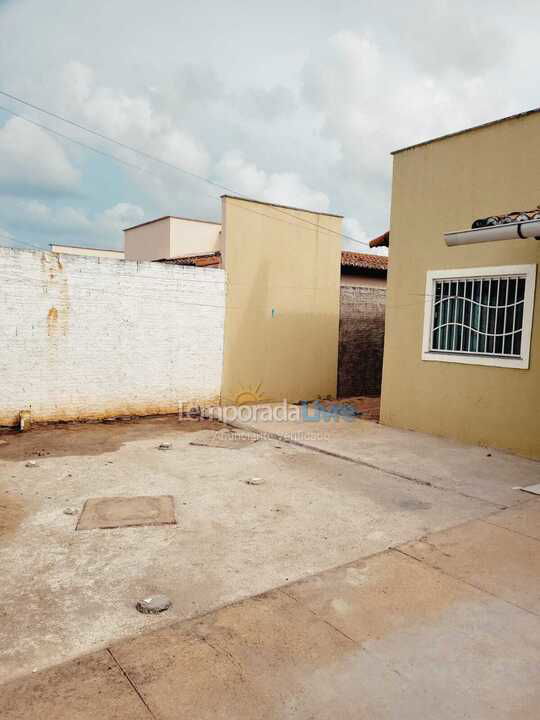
(356, 643)
(222, 651)
(503, 527)
(130, 681)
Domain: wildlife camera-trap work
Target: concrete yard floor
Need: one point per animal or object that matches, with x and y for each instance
(471, 470)
(386, 637)
(444, 626)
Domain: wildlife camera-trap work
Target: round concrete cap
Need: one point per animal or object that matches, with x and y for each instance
(153, 604)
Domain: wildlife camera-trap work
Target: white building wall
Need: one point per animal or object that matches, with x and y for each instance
(84, 337)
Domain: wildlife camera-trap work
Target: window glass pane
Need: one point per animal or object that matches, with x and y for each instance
(507, 347)
(501, 302)
(467, 314)
(492, 292)
(517, 343)
(451, 316)
(481, 345)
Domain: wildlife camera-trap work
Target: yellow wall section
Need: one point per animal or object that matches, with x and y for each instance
(275, 260)
(440, 187)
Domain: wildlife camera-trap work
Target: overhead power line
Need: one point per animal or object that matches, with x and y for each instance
(151, 157)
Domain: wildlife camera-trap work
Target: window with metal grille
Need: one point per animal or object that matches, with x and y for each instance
(479, 315)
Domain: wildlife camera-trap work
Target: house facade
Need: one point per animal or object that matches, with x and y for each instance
(462, 339)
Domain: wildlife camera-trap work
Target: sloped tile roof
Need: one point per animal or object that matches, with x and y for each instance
(207, 260)
(364, 261)
(381, 240)
(511, 217)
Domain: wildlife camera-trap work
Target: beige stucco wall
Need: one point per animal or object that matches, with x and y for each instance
(194, 237)
(440, 187)
(88, 252)
(171, 237)
(151, 241)
(282, 316)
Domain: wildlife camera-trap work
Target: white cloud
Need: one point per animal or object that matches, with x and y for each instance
(104, 228)
(130, 119)
(357, 239)
(303, 112)
(286, 188)
(372, 97)
(373, 101)
(354, 231)
(120, 216)
(5, 235)
(30, 159)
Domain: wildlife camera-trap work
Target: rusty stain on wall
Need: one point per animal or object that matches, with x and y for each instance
(56, 285)
(52, 320)
(109, 411)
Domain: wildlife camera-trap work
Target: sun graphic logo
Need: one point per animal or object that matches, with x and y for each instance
(248, 396)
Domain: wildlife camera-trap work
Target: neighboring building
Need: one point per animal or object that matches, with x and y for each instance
(361, 327)
(171, 236)
(363, 269)
(282, 315)
(462, 342)
(87, 251)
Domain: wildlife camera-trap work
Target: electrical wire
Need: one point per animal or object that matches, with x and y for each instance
(148, 156)
(149, 172)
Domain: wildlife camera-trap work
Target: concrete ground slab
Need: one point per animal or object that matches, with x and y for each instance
(267, 657)
(500, 561)
(86, 689)
(381, 639)
(229, 439)
(460, 651)
(475, 471)
(115, 512)
(79, 589)
(383, 594)
(524, 519)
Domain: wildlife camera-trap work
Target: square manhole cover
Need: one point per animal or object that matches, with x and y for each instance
(114, 512)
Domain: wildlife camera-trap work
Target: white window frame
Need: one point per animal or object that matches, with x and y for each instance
(522, 362)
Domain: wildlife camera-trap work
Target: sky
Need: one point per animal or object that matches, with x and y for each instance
(298, 102)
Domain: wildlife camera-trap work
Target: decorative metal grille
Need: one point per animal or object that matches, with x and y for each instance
(482, 316)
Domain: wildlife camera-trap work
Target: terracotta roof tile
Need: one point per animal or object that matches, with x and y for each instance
(364, 261)
(381, 240)
(511, 217)
(207, 260)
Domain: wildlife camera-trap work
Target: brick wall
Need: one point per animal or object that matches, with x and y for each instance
(361, 340)
(84, 337)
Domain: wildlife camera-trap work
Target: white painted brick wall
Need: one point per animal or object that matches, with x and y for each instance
(84, 337)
